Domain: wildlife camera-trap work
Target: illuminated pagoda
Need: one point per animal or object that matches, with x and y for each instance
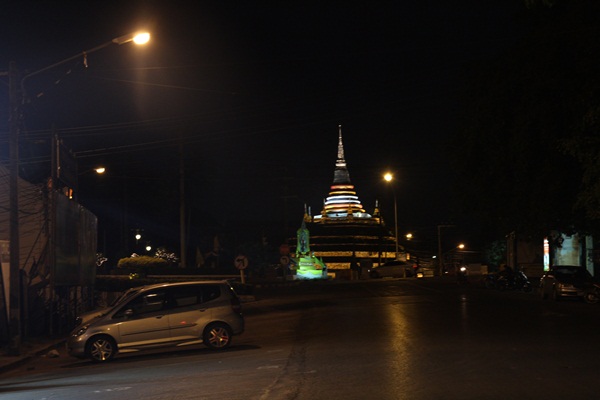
(345, 230)
(342, 201)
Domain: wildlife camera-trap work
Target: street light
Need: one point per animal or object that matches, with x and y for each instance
(389, 178)
(16, 100)
(453, 255)
(98, 170)
(140, 38)
(137, 38)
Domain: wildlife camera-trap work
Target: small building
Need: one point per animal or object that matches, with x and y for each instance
(56, 260)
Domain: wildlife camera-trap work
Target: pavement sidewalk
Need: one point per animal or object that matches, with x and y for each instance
(30, 348)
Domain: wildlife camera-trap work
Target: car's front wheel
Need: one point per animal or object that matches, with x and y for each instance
(217, 336)
(101, 348)
(591, 297)
(555, 294)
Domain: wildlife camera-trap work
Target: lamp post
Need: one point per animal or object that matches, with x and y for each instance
(439, 237)
(389, 178)
(16, 99)
(98, 170)
(453, 252)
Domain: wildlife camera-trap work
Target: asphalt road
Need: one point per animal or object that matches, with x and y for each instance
(386, 339)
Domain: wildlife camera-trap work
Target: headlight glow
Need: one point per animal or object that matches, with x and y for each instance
(81, 330)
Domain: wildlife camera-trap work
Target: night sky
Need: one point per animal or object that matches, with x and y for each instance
(255, 91)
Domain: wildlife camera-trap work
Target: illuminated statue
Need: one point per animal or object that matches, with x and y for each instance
(305, 263)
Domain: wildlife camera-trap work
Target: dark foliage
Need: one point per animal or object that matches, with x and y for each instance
(526, 154)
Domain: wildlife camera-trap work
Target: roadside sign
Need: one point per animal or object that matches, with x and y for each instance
(241, 262)
(284, 249)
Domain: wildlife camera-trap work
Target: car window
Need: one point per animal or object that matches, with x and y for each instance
(582, 274)
(563, 273)
(395, 264)
(572, 273)
(184, 296)
(210, 292)
(124, 296)
(145, 303)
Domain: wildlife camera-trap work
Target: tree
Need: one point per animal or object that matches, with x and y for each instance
(585, 148)
(523, 155)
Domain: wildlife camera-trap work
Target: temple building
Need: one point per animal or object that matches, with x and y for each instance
(344, 230)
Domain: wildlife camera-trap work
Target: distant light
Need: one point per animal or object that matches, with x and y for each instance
(148, 248)
(461, 246)
(138, 236)
(409, 236)
(100, 170)
(388, 177)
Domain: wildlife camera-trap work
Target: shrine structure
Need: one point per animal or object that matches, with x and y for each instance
(344, 230)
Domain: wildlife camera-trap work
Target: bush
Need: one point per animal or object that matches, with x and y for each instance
(141, 264)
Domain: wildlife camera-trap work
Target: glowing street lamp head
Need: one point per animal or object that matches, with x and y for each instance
(141, 38)
(388, 177)
(100, 170)
(137, 38)
(461, 246)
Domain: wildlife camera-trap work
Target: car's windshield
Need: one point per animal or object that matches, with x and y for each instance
(573, 274)
(395, 264)
(124, 296)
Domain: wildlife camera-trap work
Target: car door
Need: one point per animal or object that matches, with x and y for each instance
(192, 310)
(144, 320)
(548, 282)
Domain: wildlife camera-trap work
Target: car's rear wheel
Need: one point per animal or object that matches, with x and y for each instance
(502, 284)
(217, 336)
(101, 348)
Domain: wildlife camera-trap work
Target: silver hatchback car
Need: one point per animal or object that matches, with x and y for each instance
(161, 315)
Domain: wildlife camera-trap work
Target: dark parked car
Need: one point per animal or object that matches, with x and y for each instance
(395, 269)
(563, 281)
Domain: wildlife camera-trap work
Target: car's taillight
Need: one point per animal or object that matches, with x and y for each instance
(236, 305)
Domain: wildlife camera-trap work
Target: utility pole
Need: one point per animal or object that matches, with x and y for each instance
(14, 297)
(16, 85)
(182, 228)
